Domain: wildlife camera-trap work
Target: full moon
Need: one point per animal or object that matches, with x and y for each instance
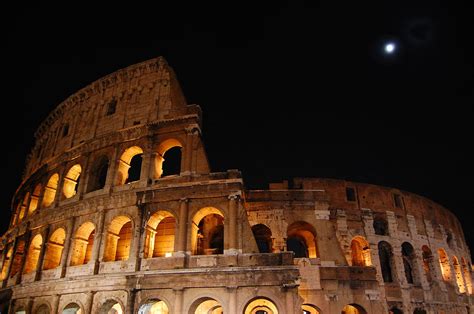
(390, 48)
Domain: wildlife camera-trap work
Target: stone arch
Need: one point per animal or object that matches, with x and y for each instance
(419, 311)
(98, 174)
(54, 249)
(301, 239)
(153, 306)
(160, 161)
(263, 237)
(380, 225)
(6, 262)
(386, 261)
(206, 305)
(208, 231)
(73, 308)
(261, 305)
(43, 308)
(111, 306)
(458, 274)
(83, 243)
(444, 264)
(395, 310)
(310, 309)
(118, 239)
(34, 199)
(160, 234)
(467, 275)
(428, 266)
(33, 254)
(23, 206)
(17, 257)
(409, 263)
(360, 252)
(50, 190)
(353, 309)
(20, 310)
(129, 165)
(71, 181)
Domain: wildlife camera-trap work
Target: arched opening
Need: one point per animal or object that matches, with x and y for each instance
(409, 263)
(261, 306)
(43, 309)
(6, 262)
(208, 232)
(19, 252)
(50, 190)
(119, 239)
(130, 165)
(380, 226)
(20, 310)
(72, 308)
(71, 181)
(34, 199)
(419, 311)
(467, 275)
(160, 235)
(360, 251)
(395, 310)
(111, 307)
(444, 264)
(353, 309)
(154, 307)
(168, 159)
(458, 272)
(263, 237)
(428, 266)
(301, 239)
(386, 261)
(33, 254)
(310, 309)
(98, 174)
(54, 249)
(23, 206)
(206, 306)
(83, 243)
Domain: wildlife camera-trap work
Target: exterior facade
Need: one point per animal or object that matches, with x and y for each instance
(118, 212)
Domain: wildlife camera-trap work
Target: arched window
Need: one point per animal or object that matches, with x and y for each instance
(208, 232)
(263, 237)
(83, 243)
(111, 307)
(130, 165)
(19, 252)
(72, 308)
(6, 262)
(207, 306)
(386, 261)
(458, 272)
(33, 254)
(380, 226)
(71, 181)
(360, 252)
(301, 239)
(34, 199)
(168, 159)
(50, 190)
(160, 235)
(42, 309)
(310, 309)
(428, 266)
(409, 263)
(467, 275)
(98, 174)
(444, 263)
(54, 249)
(154, 307)
(353, 309)
(261, 306)
(119, 239)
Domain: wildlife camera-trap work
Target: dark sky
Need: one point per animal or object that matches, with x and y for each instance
(288, 89)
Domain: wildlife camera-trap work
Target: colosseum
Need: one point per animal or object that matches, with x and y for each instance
(118, 211)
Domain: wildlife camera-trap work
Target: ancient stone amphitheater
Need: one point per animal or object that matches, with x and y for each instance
(118, 212)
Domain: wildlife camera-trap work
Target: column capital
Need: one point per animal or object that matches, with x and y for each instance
(184, 200)
(234, 196)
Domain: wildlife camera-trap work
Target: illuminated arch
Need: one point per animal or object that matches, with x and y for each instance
(263, 237)
(126, 171)
(208, 231)
(72, 308)
(353, 309)
(54, 249)
(301, 239)
(206, 305)
(71, 181)
(17, 257)
(467, 275)
(83, 243)
(160, 234)
(360, 252)
(310, 309)
(261, 305)
(33, 254)
(119, 239)
(444, 264)
(154, 306)
(111, 306)
(160, 160)
(23, 206)
(6, 262)
(50, 190)
(34, 199)
(458, 273)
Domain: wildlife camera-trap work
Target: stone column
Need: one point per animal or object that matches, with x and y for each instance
(55, 304)
(99, 242)
(182, 227)
(178, 300)
(89, 302)
(289, 291)
(191, 133)
(138, 244)
(232, 299)
(67, 251)
(131, 301)
(25, 254)
(39, 265)
(232, 224)
(7, 275)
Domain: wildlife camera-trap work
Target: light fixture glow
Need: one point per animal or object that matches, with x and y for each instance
(390, 48)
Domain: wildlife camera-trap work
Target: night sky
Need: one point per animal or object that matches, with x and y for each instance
(288, 89)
